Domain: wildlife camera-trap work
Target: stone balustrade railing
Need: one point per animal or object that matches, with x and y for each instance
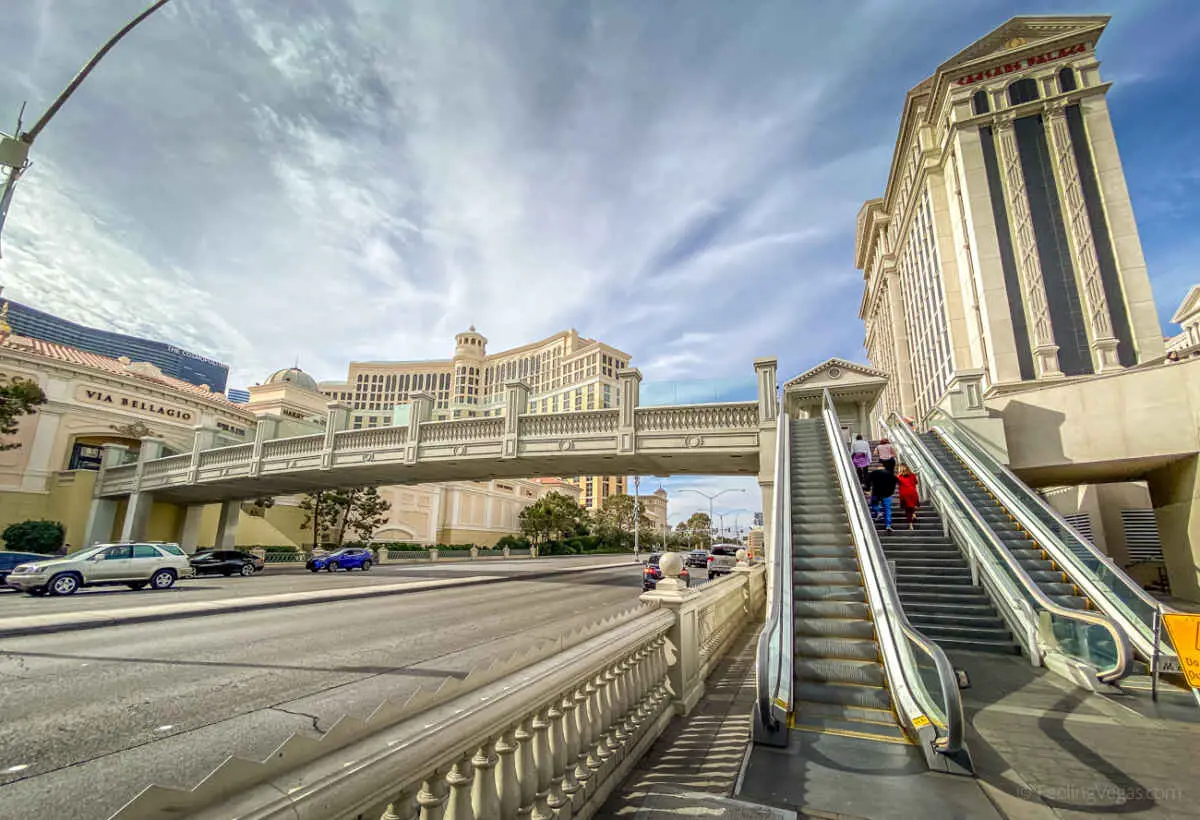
(223, 456)
(163, 466)
(569, 424)
(698, 417)
(549, 740)
(379, 438)
(462, 430)
(293, 447)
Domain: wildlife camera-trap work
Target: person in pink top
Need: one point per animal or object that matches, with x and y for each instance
(886, 455)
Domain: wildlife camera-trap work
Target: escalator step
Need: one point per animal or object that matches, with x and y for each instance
(807, 516)
(869, 696)
(826, 578)
(834, 628)
(831, 609)
(802, 529)
(851, 728)
(859, 714)
(843, 648)
(837, 670)
(828, 592)
(825, 563)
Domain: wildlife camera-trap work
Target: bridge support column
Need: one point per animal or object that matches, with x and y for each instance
(422, 409)
(227, 525)
(138, 510)
(103, 514)
(337, 419)
(1175, 493)
(629, 382)
(766, 370)
(516, 404)
(189, 533)
(267, 429)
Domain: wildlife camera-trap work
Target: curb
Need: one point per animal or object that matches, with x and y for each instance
(95, 619)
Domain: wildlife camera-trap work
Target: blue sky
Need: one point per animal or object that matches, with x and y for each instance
(342, 179)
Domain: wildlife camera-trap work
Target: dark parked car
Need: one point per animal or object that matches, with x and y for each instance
(8, 560)
(652, 574)
(696, 558)
(226, 562)
(348, 558)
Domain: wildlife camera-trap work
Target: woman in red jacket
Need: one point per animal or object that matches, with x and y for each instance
(907, 482)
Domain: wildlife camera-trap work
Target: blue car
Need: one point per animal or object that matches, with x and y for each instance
(349, 558)
(9, 561)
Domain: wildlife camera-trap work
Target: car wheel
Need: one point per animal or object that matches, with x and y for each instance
(366, 566)
(36, 592)
(227, 572)
(163, 579)
(312, 569)
(331, 566)
(247, 570)
(136, 585)
(63, 585)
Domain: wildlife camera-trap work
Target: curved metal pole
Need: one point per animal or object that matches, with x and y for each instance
(29, 136)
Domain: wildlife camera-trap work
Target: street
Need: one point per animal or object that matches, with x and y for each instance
(93, 716)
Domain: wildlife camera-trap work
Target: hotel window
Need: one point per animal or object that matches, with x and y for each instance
(578, 399)
(925, 310)
(1022, 91)
(1066, 80)
(979, 102)
(545, 405)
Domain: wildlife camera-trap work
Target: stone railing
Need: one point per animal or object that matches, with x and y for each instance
(165, 466)
(698, 417)
(293, 447)
(459, 430)
(543, 738)
(120, 479)
(569, 424)
(223, 456)
(380, 438)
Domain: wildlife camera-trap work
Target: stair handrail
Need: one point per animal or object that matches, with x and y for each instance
(773, 664)
(893, 628)
(1014, 607)
(959, 439)
(1122, 664)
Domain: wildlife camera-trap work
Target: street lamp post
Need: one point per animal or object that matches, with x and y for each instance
(637, 491)
(14, 150)
(711, 498)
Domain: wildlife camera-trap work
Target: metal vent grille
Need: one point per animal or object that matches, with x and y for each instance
(1141, 535)
(1083, 523)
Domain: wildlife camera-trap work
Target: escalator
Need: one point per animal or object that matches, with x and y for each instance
(838, 657)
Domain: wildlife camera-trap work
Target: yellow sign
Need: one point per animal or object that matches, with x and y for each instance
(920, 721)
(1184, 629)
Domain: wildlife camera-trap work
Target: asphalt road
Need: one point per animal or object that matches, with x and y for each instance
(276, 579)
(91, 717)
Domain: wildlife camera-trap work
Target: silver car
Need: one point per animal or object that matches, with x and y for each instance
(134, 565)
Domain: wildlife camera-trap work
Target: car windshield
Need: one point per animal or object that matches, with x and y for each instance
(341, 552)
(77, 554)
(653, 559)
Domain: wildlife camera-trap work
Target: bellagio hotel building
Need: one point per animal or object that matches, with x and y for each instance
(565, 372)
(1004, 246)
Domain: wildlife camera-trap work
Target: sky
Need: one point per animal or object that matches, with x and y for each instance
(330, 180)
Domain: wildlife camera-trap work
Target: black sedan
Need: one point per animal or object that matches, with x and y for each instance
(226, 562)
(9, 560)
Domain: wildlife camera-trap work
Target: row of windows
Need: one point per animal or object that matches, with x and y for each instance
(881, 349)
(1024, 90)
(925, 310)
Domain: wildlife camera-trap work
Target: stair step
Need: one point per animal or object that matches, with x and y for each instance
(858, 649)
(961, 618)
(981, 607)
(838, 670)
(844, 695)
(826, 578)
(838, 711)
(1005, 646)
(963, 632)
(831, 609)
(828, 592)
(834, 628)
(825, 563)
(851, 728)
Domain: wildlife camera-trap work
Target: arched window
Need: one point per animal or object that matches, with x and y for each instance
(1022, 91)
(1066, 80)
(979, 102)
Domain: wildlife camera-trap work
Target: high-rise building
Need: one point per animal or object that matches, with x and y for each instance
(237, 396)
(171, 360)
(565, 372)
(1004, 245)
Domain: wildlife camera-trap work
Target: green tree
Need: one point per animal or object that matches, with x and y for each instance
(17, 399)
(619, 510)
(366, 512)
(554, 514)
(44, 537)
(319, 515)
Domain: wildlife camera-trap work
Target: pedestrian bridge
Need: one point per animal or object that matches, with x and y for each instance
(696, 438)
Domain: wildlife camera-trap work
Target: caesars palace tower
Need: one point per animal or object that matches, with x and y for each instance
(1004, 245)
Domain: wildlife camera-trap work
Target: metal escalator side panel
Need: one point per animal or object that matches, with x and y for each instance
(917, 706)
(773, 663)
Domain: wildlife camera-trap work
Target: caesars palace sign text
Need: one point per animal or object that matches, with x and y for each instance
(94, 396)
(1019, 65)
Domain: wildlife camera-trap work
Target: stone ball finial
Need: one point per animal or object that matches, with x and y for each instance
(671, 565)
(741, 557)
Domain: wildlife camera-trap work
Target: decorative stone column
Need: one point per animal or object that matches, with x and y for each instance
(765, 369)
(629, 381)
(227, 525)
(516, 404)
(266, 430)
(1083, 245)
(422, 409)
(137, 513)
(189, 532)
(41, 452)
(673, 595)
(337, 419)
(1029, 266)
(103, 514)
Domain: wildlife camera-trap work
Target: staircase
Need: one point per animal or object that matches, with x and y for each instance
(934, 583)
(839, 685)
(1036, 561)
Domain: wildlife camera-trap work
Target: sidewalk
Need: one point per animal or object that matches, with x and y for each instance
(693, 768)
(98, 618)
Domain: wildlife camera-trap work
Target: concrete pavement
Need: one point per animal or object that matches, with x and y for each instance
(93, 716)
(109, 606)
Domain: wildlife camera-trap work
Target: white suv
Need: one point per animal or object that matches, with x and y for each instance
(134, 565)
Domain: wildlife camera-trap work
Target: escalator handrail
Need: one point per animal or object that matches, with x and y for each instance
(1124, 659)
(773, 670)
(1015, 606)
(892, 624)
(1142, 633)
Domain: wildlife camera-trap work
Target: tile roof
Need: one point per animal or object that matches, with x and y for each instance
(94, 361)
